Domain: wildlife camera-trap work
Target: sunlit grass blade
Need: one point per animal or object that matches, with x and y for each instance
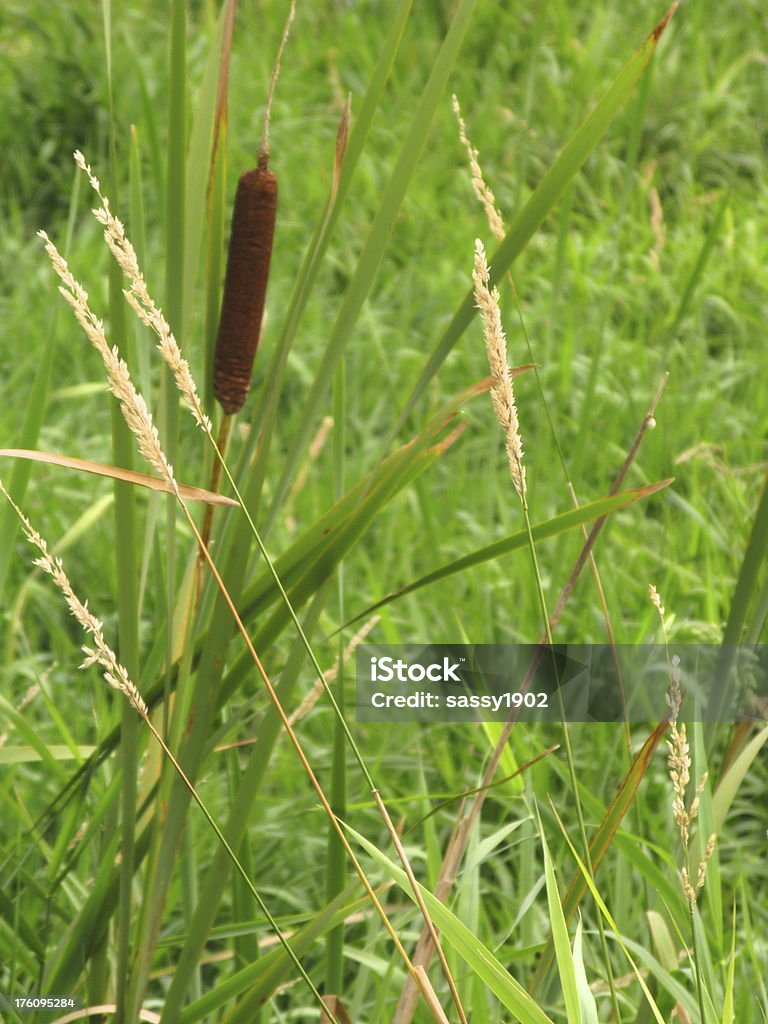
(565, 961)
(608, 917)
(586, 998)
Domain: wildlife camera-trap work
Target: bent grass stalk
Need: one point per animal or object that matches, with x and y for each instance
(117, 677)
(140, 421)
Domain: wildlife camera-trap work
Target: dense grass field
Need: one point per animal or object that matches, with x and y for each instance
(637, 247)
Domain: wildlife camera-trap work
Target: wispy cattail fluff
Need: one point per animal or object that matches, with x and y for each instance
(135, 411)
(101, 653)
(141, 301)
(481, 188)
(502, 395)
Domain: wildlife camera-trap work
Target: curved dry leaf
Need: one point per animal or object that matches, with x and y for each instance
(117, 473)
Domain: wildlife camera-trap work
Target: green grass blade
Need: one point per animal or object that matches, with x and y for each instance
(565, 962)
(148, 925)
(546, 194)
(199, 163)
(586, 999)
(585, 874)
(728, 1016)
(747, 586)
(601, 842)
(517, 541)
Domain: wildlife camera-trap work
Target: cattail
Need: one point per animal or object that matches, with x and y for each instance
(250, 252)
(245, 287)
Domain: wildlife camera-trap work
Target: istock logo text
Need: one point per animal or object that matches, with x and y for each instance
(384, 670)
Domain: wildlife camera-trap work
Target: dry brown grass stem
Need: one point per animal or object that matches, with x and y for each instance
(502, 395)
(264, 145)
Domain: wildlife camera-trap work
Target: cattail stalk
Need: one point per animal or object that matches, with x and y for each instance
(248, 262)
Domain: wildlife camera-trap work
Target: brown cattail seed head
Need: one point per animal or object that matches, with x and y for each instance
(245, 287)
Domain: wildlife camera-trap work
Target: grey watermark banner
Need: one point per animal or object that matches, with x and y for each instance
(565, 682)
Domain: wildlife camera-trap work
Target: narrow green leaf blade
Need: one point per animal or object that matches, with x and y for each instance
(517, 541)
(565, 963)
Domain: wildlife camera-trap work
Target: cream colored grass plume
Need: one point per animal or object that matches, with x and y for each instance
(481, 188)
(137, 415)
(502, 394)
(101, 653)
(679, 764)
(141, 301)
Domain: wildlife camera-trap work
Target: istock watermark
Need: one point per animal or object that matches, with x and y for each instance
(568, 682)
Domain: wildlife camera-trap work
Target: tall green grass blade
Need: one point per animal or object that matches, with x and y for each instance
(565, 962)
(127, 600)
(517, 541)
(336, 860)
(199, 160)
(747, 587)
(585, 874)
(728, 786)
(546, 194)
(375, 245)
(728, 1015)
(586, 999)
(162, 861)
(712, 893)
(601, 843)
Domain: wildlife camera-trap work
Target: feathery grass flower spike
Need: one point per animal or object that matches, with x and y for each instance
(137, 415)
(100, 653)
(140, 300)
(502, 395)
(481, 188)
